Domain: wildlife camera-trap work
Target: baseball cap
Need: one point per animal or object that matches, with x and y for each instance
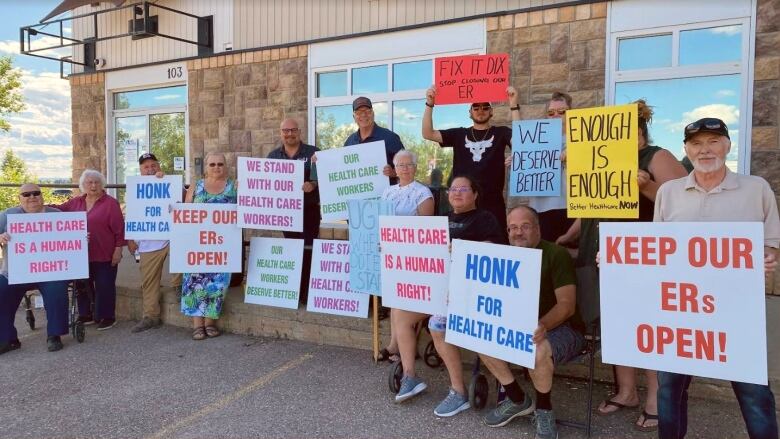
(361, 102)
(706, 125)
(146, 156)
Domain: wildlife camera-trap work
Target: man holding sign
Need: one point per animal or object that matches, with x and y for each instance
(55, 293)
(478, 150)
(713, 193)
(369, 131)
(558, 337)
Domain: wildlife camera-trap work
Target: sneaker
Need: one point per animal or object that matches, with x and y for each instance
(8, 347)
(507, 410)
(453, 404)
(86, 320)
(144, 324)
(54, 343)
(410, 387)
(106, 324)
(545, 424)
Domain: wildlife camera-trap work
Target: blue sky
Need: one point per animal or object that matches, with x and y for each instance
(41, 135)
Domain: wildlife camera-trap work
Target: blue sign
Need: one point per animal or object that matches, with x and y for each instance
(364, 269)
(536, 158)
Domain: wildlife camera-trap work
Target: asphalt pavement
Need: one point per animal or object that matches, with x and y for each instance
(162, 384)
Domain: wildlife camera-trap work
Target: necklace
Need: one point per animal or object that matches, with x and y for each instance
(474, 136)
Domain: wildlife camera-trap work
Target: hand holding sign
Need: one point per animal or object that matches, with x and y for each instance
(473, 78)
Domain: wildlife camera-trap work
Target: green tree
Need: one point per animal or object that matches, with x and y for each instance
(11, 100)
(14, 170)
(167, 132)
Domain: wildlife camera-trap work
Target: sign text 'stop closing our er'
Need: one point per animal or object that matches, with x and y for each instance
(473, 78)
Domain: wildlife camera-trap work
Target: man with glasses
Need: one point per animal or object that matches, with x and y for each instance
(369, 131)
(54, 293)
(152, 258)
(558, 337)
(711, 192)
(478, 150)
(292, 148)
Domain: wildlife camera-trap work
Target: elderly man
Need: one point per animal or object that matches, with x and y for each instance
(293, 148)
(153, 254)
(558, 337)
(369, 131)
(478, 150)
(55, 293)
(713, 193)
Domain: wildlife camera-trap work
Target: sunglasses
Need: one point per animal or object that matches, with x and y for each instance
(483, 107)
(708, 123)
(559, 112)
(30, 194)
(211, 165)
(289, 130)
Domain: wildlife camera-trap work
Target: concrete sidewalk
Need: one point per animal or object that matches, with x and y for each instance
(160, 383)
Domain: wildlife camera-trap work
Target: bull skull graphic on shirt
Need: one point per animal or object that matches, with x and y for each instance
(478, 147)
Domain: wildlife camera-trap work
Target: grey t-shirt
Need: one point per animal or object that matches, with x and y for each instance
(4, 223)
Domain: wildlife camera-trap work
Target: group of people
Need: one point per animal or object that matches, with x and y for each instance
(710, 192)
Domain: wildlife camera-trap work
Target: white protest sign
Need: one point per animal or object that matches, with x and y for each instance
(270, 194)
(148, 198)
(350, 173)
(205, 239)
(685, 298)
(329, 290)
(415, 261)
(274, 272)
(494, 300)
(47, 246)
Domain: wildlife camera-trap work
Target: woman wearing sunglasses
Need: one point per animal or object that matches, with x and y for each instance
(202, 294)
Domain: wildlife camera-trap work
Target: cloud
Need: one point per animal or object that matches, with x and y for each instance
(167, 97)
(11, 47)
(725, 93)
(727, 30)
(727, 113)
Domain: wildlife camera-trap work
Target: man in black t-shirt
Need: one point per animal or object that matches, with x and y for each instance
(478, 150)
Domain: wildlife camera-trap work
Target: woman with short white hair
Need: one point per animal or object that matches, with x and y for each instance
(106, 228)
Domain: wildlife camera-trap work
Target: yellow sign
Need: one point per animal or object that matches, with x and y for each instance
(602, 162)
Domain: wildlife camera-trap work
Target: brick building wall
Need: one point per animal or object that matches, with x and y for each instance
(88, 107)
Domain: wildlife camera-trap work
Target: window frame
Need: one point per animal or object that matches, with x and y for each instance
(744, 68)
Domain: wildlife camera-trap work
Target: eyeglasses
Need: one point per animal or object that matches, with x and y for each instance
(30, 194)
(289, 130)
(483, 107)
(363, 111)
(559, 112)
(525, 228)
(211, 165)
(459, 190)
(405, 165)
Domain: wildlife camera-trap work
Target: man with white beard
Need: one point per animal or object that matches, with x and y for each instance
(711, 192)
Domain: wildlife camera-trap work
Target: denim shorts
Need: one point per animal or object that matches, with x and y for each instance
(437, 323)
(566, 343)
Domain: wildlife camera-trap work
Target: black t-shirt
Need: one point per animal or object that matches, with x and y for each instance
(480, 153)
(475, 225)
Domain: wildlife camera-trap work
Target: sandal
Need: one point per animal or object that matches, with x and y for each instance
(619, 407)
(199, 333)
(644, 417)
(212, 331)
(385, 355)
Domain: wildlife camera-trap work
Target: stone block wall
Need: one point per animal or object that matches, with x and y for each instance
(558, 49)
(237, 101)
(88, 107)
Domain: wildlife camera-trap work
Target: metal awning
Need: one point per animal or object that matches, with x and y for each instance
(69, 5)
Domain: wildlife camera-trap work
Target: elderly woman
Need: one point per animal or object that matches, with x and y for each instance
(106, 231)
(410, 198)
(204, 293)
(470, 223)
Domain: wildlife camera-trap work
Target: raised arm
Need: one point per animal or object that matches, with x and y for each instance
(428, 132)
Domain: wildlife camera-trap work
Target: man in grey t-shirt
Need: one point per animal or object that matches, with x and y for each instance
(54, 293)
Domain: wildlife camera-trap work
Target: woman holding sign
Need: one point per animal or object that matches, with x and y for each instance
(410, 198)
(106, 232)
(202, 294)
(656, 166)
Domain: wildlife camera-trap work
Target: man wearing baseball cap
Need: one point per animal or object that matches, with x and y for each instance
(711, 192)
(369, 131)
(153, 254)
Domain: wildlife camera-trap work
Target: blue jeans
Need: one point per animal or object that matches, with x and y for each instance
(55, 301)
(755, 401)
(102, 280)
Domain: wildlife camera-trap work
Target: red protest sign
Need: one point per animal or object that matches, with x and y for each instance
(472, 78)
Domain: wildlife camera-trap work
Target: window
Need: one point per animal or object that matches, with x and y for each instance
(686, 72)
(397, 91)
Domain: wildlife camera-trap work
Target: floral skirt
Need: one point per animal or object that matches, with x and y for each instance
(202, 294)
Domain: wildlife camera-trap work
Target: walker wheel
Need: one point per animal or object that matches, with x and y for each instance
(431, 357)
(394, 379)
(478, 391)
(79, 332)
(31, 319)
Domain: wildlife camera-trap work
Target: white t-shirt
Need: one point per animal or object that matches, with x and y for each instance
(407, 198)
(151, 245)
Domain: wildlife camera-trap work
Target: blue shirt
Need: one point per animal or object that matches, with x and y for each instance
(393, 143)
